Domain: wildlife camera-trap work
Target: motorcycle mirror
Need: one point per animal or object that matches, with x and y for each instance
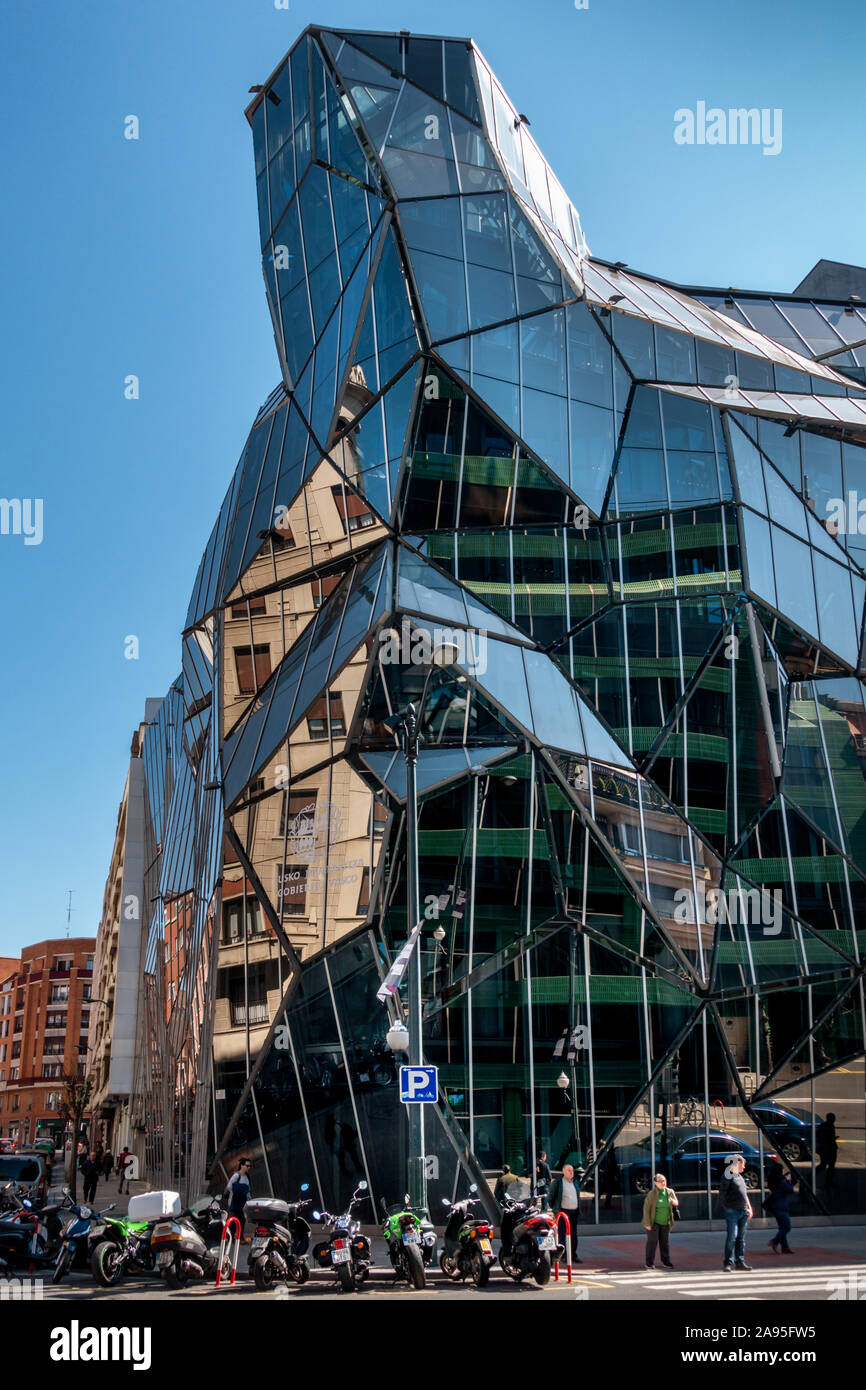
(445, 1202)
(474, 1187)
(406, 1199)
(317, 1216)
(305, 1187)
(362, 1186)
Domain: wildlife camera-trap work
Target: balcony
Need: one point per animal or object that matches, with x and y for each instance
(254, 1014)
(58, 973)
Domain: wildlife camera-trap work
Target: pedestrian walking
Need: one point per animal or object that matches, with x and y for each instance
(107, 1164)
(737, 1210)
(660, 1210)
(90, 1171)
(238, 1190)
(777, 1204)
(542, 1178)
(827, 1148)
(505, 1180)
(565, 1198)
(124, 1164)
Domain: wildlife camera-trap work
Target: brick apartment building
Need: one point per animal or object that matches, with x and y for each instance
(44, 1022)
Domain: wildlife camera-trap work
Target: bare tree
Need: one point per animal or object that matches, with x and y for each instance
(77, 1091)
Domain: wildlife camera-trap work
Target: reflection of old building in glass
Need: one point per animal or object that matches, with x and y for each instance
(642, 793)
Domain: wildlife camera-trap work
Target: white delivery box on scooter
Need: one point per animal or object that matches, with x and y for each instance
(150, 1206)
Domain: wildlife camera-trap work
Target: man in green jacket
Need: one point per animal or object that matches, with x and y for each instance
(658, 1217)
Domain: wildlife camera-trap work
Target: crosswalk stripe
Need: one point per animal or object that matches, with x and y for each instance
(744, 1285)
(637, 1275)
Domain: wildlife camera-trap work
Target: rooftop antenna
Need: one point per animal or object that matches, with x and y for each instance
(68, 913)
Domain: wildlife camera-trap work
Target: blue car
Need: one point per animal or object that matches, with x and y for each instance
(686, 1165)
(789, 1129)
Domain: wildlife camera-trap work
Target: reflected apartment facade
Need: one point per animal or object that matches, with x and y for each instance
(641, 778)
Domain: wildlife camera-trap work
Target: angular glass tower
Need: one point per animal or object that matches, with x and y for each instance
(642, 819)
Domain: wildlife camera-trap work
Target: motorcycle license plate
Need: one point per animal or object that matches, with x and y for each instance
(341, 1257)
(258, 1245)
(411, 1238)
(165, 1259)
(485, 1246)
(547, 1242)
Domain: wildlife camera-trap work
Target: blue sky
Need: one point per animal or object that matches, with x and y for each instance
(142, 257)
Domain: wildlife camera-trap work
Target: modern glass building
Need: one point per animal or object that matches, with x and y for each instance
(606, 504)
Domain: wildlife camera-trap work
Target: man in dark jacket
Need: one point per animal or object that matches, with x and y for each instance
(542, 1178)
(565, 1197)
(737, 1210)
(90, 1171)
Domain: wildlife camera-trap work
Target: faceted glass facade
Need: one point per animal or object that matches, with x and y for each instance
(641, 783)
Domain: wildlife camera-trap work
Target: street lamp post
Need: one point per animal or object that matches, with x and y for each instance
(408, 731)
(407, 728)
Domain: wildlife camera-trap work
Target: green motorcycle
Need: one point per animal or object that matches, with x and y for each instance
(411, 1242)
(121, 1247)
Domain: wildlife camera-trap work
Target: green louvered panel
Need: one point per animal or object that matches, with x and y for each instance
(707, 818)
(826, 868)
(508, 843)
(716, 579)
(656, 542)
(776, 953)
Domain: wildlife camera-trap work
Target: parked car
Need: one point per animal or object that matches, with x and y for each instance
(687, 1160)
(25, 1170)
(7, 1146)
(789, 1128)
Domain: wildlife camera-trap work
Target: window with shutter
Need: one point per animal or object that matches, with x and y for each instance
(251, 677)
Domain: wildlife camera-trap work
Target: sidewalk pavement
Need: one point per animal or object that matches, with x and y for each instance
(696, 1250)
(106, 1191)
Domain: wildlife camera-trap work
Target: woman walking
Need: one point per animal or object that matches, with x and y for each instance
(659, 1207)
(781, 1190)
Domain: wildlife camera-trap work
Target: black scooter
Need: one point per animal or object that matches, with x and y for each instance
(281, 1240)
(529, 1241)
(30, 1233)
(347, 1249)
(468, 1252)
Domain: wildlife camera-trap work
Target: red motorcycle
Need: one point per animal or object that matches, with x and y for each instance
(529, 1241)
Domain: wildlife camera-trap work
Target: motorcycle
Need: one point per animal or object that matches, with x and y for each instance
(120, 1246)
(468, 1249)
(188, 1246)
(281, 1240)
(30, 1234)
(411, 1242)
(75, 1243)
(347, 1250)
(529, 1241)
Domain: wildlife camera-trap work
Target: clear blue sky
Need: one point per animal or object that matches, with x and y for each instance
(122, 257)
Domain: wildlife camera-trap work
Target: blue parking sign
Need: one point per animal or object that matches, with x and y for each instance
(419, 1085)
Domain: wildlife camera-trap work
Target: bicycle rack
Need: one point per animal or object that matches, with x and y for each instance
(719, 1114)
(561, 1216)
(234, 1247)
